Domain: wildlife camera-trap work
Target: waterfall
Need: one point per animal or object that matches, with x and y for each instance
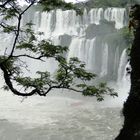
(104, 68)
(122, 66)
(60, 22)
(95, 15)
(91, 55)
(69, 29)
(58, 116)
(117, 15)
(85, 38)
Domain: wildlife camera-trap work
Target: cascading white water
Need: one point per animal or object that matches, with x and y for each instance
(95, 15)
(68, 116)
(122, 65)
(91, 55)
(117, 15)
(84, 49)
(104, 68)
(60, 23)
(67, 22)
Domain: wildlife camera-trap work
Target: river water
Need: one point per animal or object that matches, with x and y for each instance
(65, 116)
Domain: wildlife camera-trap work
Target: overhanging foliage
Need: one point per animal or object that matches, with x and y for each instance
(32, 48)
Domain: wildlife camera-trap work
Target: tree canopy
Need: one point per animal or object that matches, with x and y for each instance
(29, 43)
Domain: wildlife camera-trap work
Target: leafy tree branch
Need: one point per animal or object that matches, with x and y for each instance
(33, 48)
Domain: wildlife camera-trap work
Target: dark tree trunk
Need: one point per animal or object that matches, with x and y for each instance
(131, 110)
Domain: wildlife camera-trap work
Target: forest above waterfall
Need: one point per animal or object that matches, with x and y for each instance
(108, 3)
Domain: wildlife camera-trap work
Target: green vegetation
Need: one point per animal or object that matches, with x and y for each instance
(110, 3)
(119, 36)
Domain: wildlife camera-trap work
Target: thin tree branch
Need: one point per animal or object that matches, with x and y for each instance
(17, 35)
(6, 26)
(10, 85)
(7, 73)
(25, 55)
(18, 28)
(33, 2)
(3, 5)
(66, 88)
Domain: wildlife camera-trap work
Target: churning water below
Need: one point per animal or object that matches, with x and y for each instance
(65, 116)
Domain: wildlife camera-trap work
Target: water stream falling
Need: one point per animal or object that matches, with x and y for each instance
(64, 115)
